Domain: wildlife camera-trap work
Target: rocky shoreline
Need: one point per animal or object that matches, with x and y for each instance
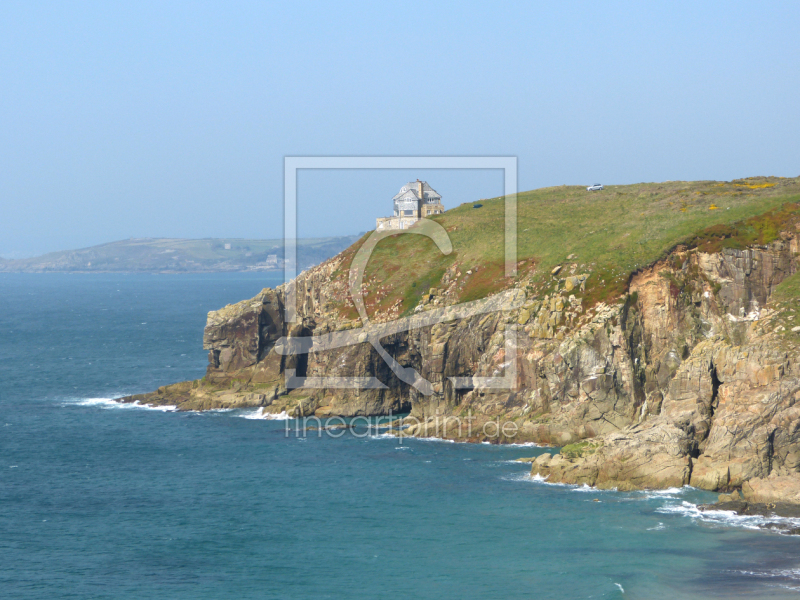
(690, 378)
(781, 516)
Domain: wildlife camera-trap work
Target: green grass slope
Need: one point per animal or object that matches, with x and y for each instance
(609, 234)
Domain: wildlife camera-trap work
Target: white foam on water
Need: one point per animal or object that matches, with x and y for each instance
(673, 505)
(537, 478)
(585, 488)
(573, 487)
(524, 445)
(788, 573)
(164, 408)
(389, 436)
(727, 517)
(672, 493)
(667, 492)
(435, 439)
(518, 477)
(115, 403)
(515, 445)
(621, 589)
(791, 574)
(259, 413)
(386, 425)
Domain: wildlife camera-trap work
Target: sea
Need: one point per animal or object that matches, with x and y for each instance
(104, 500)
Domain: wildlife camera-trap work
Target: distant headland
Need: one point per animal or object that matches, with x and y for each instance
(173, 255)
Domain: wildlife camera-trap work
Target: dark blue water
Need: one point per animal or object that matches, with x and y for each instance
(99, 500)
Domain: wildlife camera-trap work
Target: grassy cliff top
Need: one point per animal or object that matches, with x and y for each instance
(608, 234)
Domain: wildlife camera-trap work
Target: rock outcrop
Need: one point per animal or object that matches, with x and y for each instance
(719, 381)
(692, 377)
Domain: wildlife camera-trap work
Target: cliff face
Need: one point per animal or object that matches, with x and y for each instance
(717, 380)
(693, 377)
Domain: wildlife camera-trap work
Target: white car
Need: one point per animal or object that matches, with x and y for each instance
(595, 188)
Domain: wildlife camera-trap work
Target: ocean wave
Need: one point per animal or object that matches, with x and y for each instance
(543, 481)
(115, 403)
(526, 477)
(729, 517)
(673, 505)
(790, 577)
(672, 493)
(259, 413)
(586, 488)
(784, 573)
(383, 436)
(574, 487)
(524, 445)
(389, 436)
(667, 492)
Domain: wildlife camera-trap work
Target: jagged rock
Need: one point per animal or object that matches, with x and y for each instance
(639, 458)
(574, 281)
(732, 497)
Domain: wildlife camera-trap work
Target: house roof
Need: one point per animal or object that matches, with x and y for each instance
(407, 195)
(413, 187)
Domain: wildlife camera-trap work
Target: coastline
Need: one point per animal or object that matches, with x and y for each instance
(657, 388)
(779, 518)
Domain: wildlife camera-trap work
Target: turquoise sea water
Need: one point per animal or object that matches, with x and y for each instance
(100, 500)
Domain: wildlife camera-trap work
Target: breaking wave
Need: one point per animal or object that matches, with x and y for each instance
(729, 517)
(258, 413)
(108, 403)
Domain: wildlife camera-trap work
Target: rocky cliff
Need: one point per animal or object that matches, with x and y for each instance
(715, 379)
(691, 376)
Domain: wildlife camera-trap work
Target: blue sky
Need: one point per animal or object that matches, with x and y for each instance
(172, 119)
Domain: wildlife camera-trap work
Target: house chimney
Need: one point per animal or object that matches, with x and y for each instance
(421, 194)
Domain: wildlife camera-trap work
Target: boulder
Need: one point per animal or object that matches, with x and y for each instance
(773, 489)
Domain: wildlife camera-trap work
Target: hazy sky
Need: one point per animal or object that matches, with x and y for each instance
(172, 119)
